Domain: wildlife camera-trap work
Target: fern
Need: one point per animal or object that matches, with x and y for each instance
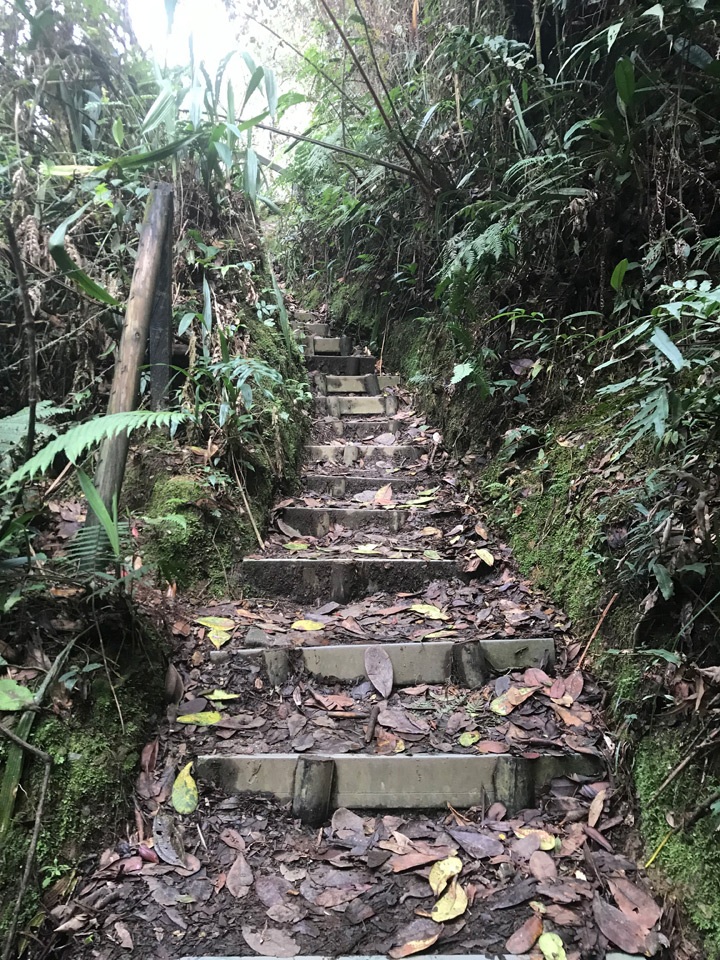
(75, 441)
(13, 429)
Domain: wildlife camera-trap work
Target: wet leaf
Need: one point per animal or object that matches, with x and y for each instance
(218, 637)
(452, 905)
(216, 623)
(205, 719)
(270, 943)
(13, 696)
(485, 556)
(307, 625)
(379, 670)
(239, 878)
(547, 840)
(222, 695)
(506, 702)
(442, 871)
(185, 791)
(468, 738)
(525, 936)
(429, 611)
(416, 936)
(551, 947)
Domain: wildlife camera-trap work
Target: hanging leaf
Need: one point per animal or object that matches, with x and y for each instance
(442, 872)
(118, 131)
(185, 791)
(625, 80)
(216, 623)
(307, 625)
(56, 246)
(618, 274)
(379, 670)
(665, 345)
(271, 91)
(251, 175)
(205, 719)
(13, 696)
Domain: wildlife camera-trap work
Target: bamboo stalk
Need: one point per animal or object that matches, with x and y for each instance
(29, 331)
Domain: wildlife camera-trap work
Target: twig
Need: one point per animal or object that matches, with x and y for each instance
(597, 629)
(241, 487)
(372, 723)
(40, 754)
(710, 742)
(10, 938)
(29, 330)
(697, 814)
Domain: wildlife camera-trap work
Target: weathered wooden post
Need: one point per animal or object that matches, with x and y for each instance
(161, 330)
(156, 227)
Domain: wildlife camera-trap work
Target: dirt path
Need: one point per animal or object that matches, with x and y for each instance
(393, 750)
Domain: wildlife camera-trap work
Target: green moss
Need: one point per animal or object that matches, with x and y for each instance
(689, 860)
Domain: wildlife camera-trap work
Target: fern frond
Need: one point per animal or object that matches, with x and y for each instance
(75, 441)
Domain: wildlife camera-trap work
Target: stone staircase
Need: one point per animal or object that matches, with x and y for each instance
(364, 415)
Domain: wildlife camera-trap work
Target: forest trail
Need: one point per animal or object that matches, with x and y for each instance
(394, 749)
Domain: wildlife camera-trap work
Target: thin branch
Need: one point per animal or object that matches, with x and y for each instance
(40, 754)
(338, 149)
(315, 67)
(29, 330)
(373, 93)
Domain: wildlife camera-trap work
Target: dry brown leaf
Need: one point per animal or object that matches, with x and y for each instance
(379, 670)
(525, 936)
(239, 878)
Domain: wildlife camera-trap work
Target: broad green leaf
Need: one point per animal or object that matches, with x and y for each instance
(251, 175)
(108, 522)
(613, 34)
(222, 695)
(185, 791)
(255, 80)
(271, 91)
(205, 719)
(118, 131)
(625, 80)
(13, 696)
(618, 274)
(56, 245)
(665, 345)
(207, 305)
(461, 372)
(431, 554)
(656, 10)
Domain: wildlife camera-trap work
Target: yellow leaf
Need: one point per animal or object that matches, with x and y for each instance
(218, 637)
(442, 871)
(296, 545)
(452, 905)
(551, 947)
(366, 548)
(485, 556)
(547, 840)
(185, 791)
(468, 739)
(431, 554)
(216, 623)
(307, 625)
(205, 719)
(222, 695)
(431, 532)
(429, 611)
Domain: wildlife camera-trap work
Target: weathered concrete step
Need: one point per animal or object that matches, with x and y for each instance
(340, 346)
(352, 452)
(468, 662)
(352, 366)
(316, 522)
(340, 578)
(415, 782)
(311, 330)
(435, 956)
(337, 406)
(370, 383)
(342, 487)
(359, 428)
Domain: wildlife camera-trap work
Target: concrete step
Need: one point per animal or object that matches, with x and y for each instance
(358, 428)
(336, 406)
(342, 487)
(339, 346)
(310, 330)
(369, 384)
(468, 663)
(352, 452)
(437, 956)
(399, 782)
(340, 578)
(352, 366)
(316, 522)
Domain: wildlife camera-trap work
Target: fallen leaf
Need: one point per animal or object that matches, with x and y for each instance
(204, 719)
(429, 611)
(185, 791)
(216, 623)
(222, 695)
(218, 638)
(296, 545)
(232, 838)
(452, 905)
(307, 625)
(478, 845)
(551, 947)
(123, 936)
(542, 866)
(634, 902)
(366, 548)
(468, 738)
(167, 842)
(525, 936)
(239, 877)
(596, 808)
(442, 871)
(431, 555)
(401, 722)
(485, 556)
(416, 936)
(270, 942)
(379, 670)
(547, 840)
(491, 746)
(384, 495)
(513, 697)
(625, 932)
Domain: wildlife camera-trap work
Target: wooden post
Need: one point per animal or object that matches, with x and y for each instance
(161, 330)
(133, 341)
